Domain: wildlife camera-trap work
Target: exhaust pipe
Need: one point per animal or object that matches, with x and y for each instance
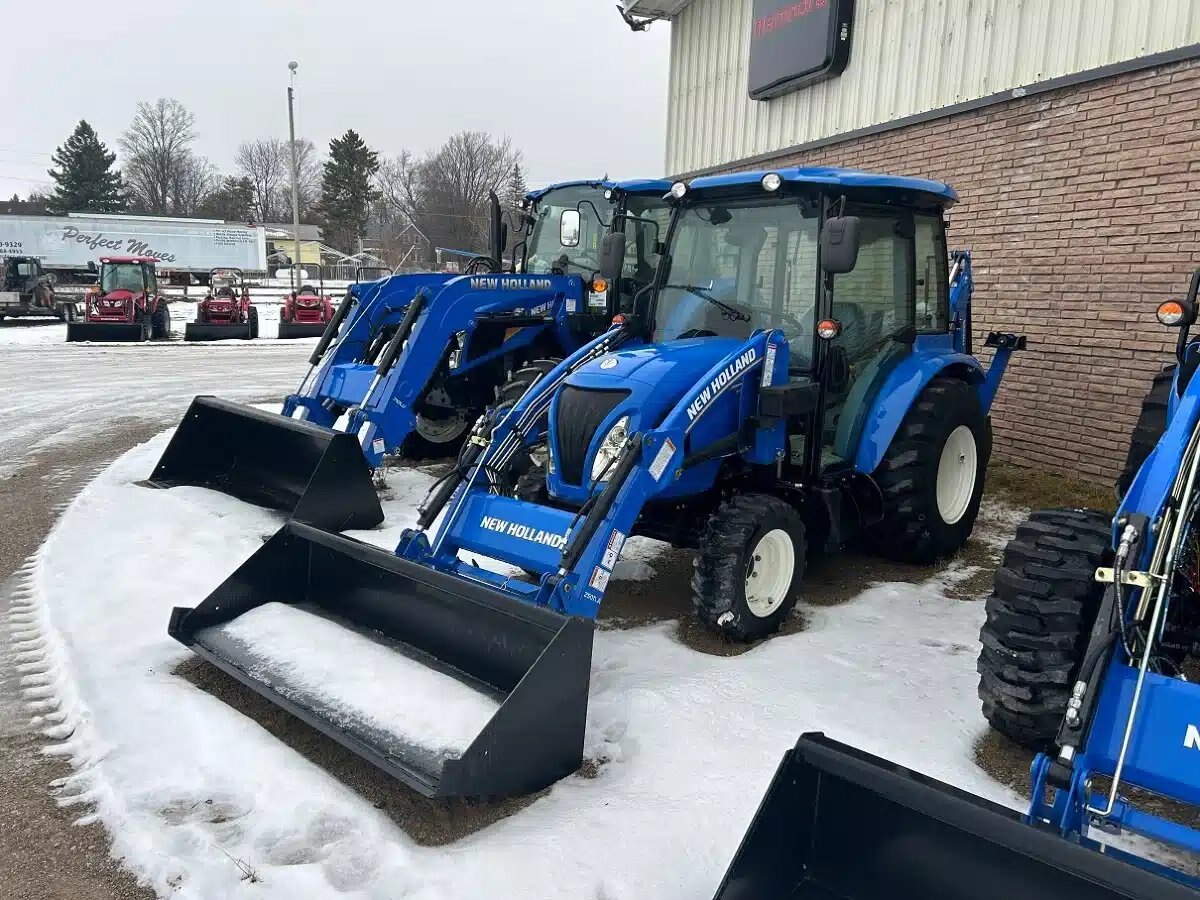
(446, 684)
(314, 474)
(840, 823)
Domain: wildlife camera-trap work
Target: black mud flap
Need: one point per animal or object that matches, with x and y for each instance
(289, 330)
(107, 332)
(314, 474)
(362, 619)
(196, 331)
(840, 823)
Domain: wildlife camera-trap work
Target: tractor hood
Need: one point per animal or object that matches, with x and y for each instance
(656, 376)
(118, 297)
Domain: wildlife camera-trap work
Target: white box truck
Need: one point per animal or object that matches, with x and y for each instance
(70, 246)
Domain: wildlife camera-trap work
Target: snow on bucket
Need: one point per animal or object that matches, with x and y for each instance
(450, 686)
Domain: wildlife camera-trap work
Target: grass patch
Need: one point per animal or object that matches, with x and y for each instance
(1035, 489)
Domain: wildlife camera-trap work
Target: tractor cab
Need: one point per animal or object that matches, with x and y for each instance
(130, 274)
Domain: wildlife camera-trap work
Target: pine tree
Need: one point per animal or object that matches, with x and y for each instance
(347, 191)
(516, 189)
(85, 180)
(233, 201)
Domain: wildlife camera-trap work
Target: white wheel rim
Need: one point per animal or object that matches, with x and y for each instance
(441, 431)
(956, 474)
(769, 572)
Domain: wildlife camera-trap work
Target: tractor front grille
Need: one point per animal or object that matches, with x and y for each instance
(580, 413)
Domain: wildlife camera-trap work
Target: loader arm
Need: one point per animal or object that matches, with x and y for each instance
(524, 307)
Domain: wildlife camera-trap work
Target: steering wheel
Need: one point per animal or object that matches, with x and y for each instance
(481, 265)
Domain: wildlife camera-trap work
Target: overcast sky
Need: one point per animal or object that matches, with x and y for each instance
(573, 87)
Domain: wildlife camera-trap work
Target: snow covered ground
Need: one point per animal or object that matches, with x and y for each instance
(204, 803)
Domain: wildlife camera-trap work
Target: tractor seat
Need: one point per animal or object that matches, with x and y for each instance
(307, 291)
(225, 293)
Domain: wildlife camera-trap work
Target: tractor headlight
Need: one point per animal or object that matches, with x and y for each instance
(460, 341)
(679, 189)
(609, 449)
(772, 182)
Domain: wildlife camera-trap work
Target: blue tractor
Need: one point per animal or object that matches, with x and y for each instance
(1087, 656)
(409, 362)
(797, 375)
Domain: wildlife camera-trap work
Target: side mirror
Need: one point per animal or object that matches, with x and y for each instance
(568, 227)
(839, 244)
(612, 255)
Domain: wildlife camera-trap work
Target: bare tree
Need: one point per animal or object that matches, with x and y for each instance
(267, 165)
(194, 182)
(401, 188)
(157, 149)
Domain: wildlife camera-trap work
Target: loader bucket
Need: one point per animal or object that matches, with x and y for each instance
(314, 474)
(840, 823)
(196, 331)
(301, 329)
(108, 332)
(448, 685)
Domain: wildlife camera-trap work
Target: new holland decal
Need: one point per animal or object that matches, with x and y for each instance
(524, 532)
(495, 283)
(724, 378)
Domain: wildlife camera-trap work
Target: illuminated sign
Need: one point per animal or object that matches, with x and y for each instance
(796, 44)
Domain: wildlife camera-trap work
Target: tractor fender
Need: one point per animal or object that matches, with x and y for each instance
(897, 394)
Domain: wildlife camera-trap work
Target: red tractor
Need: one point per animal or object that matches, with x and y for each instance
(306, 312)
(125, 305)
(226, 311)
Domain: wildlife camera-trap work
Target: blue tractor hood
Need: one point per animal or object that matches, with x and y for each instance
(656, 376)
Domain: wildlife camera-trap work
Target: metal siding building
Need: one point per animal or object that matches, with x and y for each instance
(907, 57)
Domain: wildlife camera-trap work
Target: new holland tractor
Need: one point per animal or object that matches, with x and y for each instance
(125, 305)
(226, 311)
(1088, 647)
(798, 374)
(409, 363)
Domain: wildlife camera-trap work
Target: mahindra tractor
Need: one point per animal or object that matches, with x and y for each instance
(306, 312)
(26, 289)
(225, 311)
(125, 305)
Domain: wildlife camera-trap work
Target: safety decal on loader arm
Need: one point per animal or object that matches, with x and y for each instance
(662, 459)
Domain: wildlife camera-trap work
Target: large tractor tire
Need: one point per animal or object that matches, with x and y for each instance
(749, 566)
(522, 379)
(531, 486)
(932, 475)
(252, 317)
(1151, 423)
(160, 322)
(1038, 621)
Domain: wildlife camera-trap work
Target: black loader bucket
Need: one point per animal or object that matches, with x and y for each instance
(314, 474)
(107, 332)
(840, 823)
(301, 330)
(197, 331)
(446, 684)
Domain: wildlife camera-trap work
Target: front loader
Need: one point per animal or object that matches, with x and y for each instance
(225, 312)
(1087, 651)
(797, 376)
(407, 364)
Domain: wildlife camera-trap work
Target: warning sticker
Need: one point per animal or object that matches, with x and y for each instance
(599, 579)
(378, 445)
(615, 542)
(768, 374)
(662, 459)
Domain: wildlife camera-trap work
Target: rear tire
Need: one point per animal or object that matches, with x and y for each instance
(1151, 423)
(749, 566)
(1039, 617)
(252, 316)
(160, 322)
(531, 487)
(932, 475)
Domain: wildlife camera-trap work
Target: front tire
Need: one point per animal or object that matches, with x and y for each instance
(252, 317)
(1039, 617)
(439, 438)
(749, 566)
(160, 322)
(524, 378)
(932, 475)
(1151, 423)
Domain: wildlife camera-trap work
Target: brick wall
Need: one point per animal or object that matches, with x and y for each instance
(1082, 209)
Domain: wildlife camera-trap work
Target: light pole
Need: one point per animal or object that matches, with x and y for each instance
(292, 66)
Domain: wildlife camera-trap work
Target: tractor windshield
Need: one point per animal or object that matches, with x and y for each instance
(739, 267)
(581, 254)
(122, 277)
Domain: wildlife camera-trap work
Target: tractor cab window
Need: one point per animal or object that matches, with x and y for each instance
(875, 306)
(933, 279)
(641, 237)
(25, 270)
(738, 268)
(545, 251)
(121, 277)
